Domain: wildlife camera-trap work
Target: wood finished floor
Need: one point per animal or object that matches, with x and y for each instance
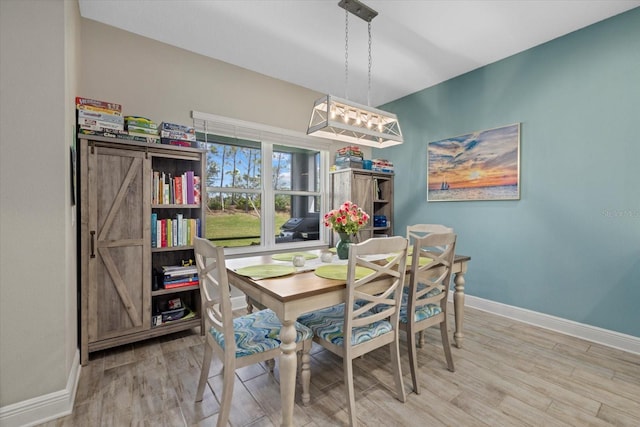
(507, 374)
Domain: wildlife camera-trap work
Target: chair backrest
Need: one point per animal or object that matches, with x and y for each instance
(429, 282)
(380, 291)
(421, 230)
(214, 290)
(417, 231)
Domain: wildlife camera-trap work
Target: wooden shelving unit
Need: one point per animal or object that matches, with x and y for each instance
(117, 260)
(372, 191)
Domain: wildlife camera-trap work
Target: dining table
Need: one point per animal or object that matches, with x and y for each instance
(273, 281)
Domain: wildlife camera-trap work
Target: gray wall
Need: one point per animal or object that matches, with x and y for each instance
(38, 332)
(571, 246)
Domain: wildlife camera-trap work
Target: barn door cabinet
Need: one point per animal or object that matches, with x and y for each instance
(119, 295)
(372, 191)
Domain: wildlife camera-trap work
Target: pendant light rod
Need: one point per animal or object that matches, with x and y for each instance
(359, 9)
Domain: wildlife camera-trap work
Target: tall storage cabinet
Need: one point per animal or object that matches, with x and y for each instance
(372, 191)
(119, 296)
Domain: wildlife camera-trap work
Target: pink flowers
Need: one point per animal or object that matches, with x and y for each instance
(348, 218)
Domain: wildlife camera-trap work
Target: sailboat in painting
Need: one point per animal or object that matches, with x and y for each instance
(444, 185)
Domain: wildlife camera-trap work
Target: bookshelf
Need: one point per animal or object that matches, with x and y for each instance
(372, 191)
(121, 299)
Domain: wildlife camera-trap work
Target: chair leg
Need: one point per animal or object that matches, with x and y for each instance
(351, 398)
(271, 364)
(204, 372)
(413, 360)
(421, 339)
(395, 364)
(305, 372)
(446, 345)
(228, 380)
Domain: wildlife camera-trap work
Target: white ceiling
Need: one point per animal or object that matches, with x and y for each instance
(416, 44)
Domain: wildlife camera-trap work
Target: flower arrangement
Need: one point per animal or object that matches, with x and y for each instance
(348, 218)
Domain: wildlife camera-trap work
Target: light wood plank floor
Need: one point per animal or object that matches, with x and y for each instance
(507, 374)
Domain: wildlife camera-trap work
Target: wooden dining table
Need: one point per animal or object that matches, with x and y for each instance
(294, 294)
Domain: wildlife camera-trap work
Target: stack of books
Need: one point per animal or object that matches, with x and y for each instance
(349, 157)
(174, 134)
(179, 277)
(143, 128)
(99, 117)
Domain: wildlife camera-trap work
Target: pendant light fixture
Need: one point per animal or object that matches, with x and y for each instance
(343, 120)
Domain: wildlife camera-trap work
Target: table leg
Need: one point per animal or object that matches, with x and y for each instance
(288, 367)
(458, 306)
(249, 304)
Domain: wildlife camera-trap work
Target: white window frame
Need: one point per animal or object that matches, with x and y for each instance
(269, 136)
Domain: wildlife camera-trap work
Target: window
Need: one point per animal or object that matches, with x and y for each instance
(256, 204)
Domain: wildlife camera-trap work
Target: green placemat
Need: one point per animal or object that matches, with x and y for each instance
(289, 256)
(422, 261)
(339, 271)
(265, 271)
(334, 250)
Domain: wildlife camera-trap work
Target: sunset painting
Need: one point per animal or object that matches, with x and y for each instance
(483, 165)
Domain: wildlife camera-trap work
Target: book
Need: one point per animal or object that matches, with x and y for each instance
(181, 284)
(141, 122)
(178, 270)
(196, 190)
(142, 131)
(176, 127)
(178, 184)
(179, 231)
(176, 134)
(87, 102)
(189, 192)
(176, 142)
(99, 125)
(154, 230)
(163, 233)
(97, 115)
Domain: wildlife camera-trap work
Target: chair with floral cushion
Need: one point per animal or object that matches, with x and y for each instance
(239, 341)
(433, 252)
(358, 329)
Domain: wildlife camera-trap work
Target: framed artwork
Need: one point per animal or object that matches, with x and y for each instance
(482, 165)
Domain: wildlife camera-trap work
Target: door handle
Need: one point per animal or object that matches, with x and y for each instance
(93, 238)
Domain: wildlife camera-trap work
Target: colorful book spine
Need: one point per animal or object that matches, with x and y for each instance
(178, 189)
(190, 187)
(177, 127)
(181, 284)
(99, 104)
(141, 122)
(154, 230)
(196, 190)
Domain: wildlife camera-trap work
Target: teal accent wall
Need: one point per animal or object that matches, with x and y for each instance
(570, 247)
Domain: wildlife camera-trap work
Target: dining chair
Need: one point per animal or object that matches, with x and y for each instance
(427, 294)
(353, 328)
(423, 230)
(239, 341)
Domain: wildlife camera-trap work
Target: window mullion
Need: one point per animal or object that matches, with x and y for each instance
(268, 197)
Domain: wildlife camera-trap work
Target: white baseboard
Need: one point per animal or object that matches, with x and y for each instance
(579, 330)
(44, 408)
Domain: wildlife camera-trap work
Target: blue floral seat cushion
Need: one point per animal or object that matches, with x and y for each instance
(424, 312)
(328, 324)
(258, 332)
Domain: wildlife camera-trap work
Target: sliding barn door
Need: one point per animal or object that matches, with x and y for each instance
(119, 243)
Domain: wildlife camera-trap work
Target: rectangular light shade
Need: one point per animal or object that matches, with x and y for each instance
(343, 120)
